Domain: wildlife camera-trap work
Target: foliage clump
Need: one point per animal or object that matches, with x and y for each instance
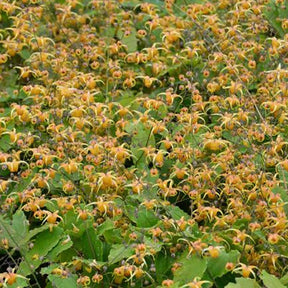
(143, 144)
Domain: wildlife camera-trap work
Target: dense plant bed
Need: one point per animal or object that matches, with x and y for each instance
(143, 144)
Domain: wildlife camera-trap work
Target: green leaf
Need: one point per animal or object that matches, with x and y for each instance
(283, 175)
(93, 247)
(284, 279)
(142, 137)
(130, 40)
(146, 218)
(155, 2)
(36, 231)
(64, 244)
(163, 263)
(273, 13)
(110, 32)
(195, 138)
(131, 212)
(113, 236)
(25, 54)
(82, 226)
(5, 143)
(44, 242)
(14, 232)
(20, 224)
(107, 225)
(9, 81)
(270, 281)
(241, 223)
(141, 216)
(152, 244)
(60, 282)
(216, 266)
(119, 252)
(69, 220)
(243, 283)
(176, 213)
(283, 193)
(188, 2)
(127, 98)
(191, 267)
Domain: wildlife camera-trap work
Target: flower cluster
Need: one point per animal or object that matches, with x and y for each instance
(143, 140)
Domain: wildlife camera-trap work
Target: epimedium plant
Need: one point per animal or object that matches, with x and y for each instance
(143, 144)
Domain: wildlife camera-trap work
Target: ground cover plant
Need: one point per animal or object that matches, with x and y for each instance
(143, 143)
